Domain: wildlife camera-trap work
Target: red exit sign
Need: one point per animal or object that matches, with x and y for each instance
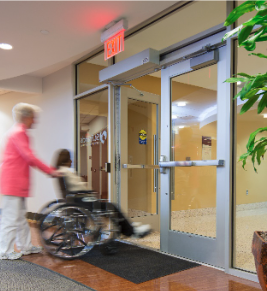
(114, 45)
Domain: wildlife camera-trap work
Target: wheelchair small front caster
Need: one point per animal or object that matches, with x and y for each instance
(109, 248)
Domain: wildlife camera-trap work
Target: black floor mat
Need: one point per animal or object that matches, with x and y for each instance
(136, 264)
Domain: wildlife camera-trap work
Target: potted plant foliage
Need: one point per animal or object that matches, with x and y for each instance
(254, 90)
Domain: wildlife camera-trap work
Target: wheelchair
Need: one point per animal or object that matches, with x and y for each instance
(72, 226)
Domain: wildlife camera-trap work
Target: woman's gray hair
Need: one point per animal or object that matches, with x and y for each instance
(22, 110)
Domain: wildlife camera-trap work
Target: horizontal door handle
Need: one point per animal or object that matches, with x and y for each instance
(129, 166)
(171, 164)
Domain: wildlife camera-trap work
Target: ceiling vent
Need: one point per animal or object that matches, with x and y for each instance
(143, 63)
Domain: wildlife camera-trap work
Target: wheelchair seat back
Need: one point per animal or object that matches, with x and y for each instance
(76, 196)
(62, 187)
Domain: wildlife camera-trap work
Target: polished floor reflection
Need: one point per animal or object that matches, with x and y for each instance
(199, 278)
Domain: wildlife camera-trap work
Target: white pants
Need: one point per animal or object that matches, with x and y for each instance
(14, 226)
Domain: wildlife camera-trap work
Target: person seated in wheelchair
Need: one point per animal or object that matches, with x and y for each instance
(75, 183)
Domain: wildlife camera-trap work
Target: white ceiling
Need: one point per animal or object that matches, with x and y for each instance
(74, 30)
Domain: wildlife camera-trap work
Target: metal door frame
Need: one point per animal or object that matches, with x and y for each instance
(213, 250)
(122, 155)
(110, 129)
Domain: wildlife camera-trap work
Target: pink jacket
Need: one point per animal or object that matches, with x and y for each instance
(17, 159)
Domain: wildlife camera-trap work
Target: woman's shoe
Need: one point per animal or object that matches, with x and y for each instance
(32, 250)
(10, 256)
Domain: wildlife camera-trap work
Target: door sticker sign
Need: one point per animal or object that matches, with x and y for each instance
(142, 136)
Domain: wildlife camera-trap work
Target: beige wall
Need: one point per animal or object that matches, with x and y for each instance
(55, 128)
(88, 76)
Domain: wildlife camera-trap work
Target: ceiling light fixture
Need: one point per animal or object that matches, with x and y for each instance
(174, 116)
(181, 103)
(5, 46)
(264, 115)
(181, 126)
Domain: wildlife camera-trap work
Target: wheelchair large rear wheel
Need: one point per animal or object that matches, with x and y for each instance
(68, 232)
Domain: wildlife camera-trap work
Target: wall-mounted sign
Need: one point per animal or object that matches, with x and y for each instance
(113, 38)
(114, 45)
(206, 148)
(142, 136)
(100, 137)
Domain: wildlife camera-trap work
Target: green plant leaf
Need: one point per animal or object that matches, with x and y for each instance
(262, 103)
(245, 75)
(245, 7)
(260, 5)
(243, 158)
(255, 87)
(262, 38)
(234, 80)
(257, 19)
(232, 32)
(262, 12)
(246, 92)
(258, 55)
(260, 151)
(259, 81)
(250, 43)
(251, 93)
(252, 137)
(248, 104)
(244, 33)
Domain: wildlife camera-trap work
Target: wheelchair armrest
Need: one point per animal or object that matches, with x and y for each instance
(82, 192)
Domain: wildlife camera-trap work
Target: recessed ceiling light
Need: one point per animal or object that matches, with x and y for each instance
(264, 115)
(43, 31)
(181, 103)
(5, 46)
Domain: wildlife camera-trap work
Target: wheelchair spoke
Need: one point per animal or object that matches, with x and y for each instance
(60, 246)
(71, 243)
(54, 234)
(48, 226)
(83, 242)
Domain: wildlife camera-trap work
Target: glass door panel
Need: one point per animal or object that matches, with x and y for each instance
(194, 137)
(250, 210)
(195, 147)
(142, 133)
(139, 153)
(92, 145)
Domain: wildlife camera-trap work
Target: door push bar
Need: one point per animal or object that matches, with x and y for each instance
(163, 164)
(129, 166)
